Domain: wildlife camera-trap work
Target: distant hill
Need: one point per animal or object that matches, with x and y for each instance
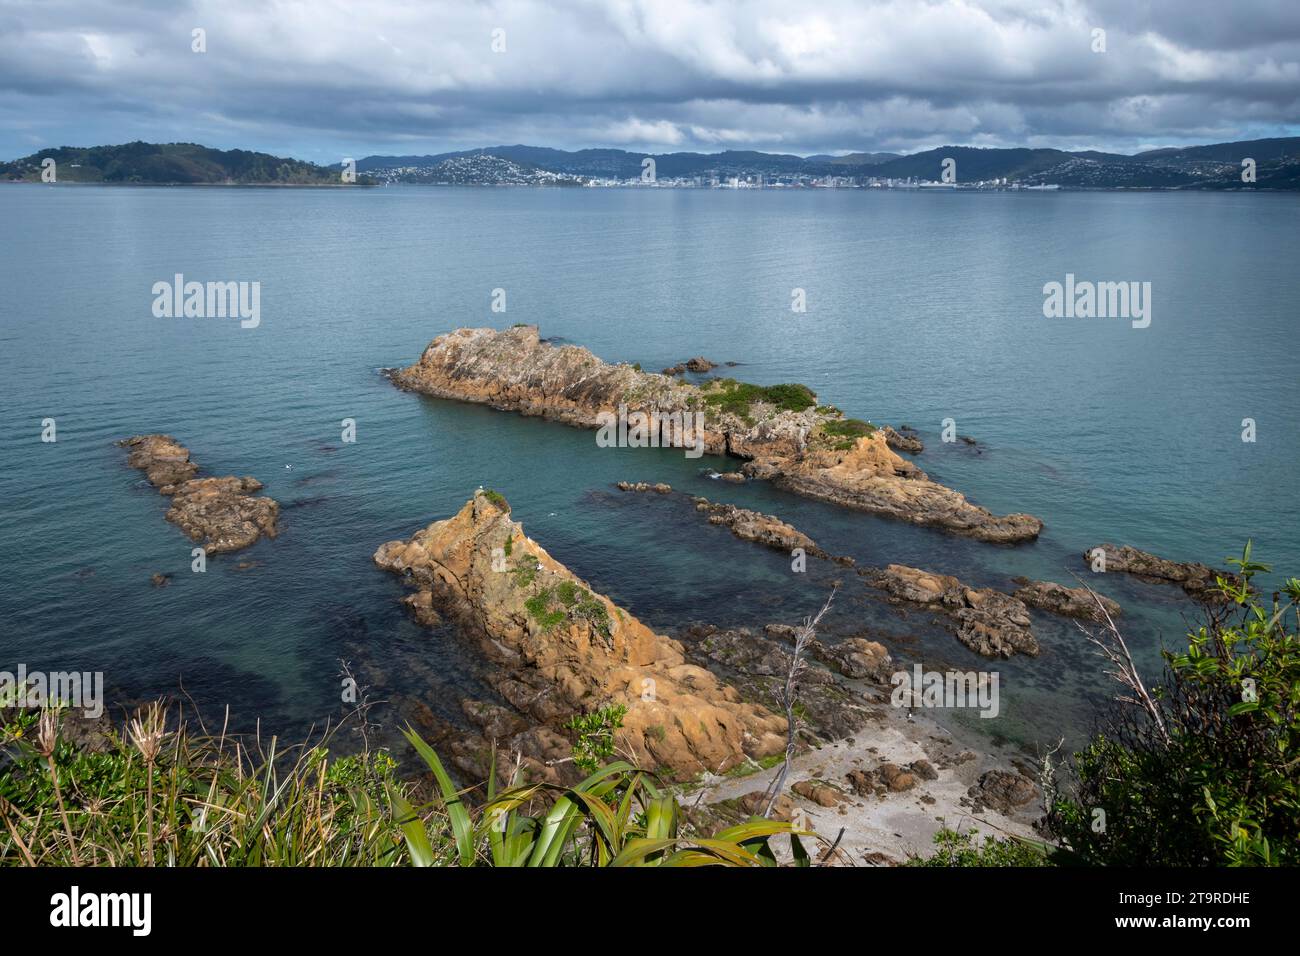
(172, 164)
(621, 164)
(1216, 166)
(857, 159)
(1257, 149)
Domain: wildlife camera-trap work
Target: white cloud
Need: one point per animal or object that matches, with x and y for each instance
(817, 76)
(639, 132)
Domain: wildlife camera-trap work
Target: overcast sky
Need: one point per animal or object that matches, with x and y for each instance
(325, 79)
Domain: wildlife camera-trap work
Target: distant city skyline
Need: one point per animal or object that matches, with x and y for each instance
(336, 79)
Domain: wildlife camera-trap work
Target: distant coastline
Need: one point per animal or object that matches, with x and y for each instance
(1268, 165)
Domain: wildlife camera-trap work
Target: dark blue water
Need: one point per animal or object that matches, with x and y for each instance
(921, 307)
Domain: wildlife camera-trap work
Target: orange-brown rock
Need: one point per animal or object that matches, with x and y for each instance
(812, 451)
(988, 621)
(870, 476)
(164, 460)
(559, 648)
(223, 513)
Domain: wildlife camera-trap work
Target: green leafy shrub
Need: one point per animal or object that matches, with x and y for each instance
(1208, 774)
(525, 570)
(539, 609)
(567, 593)
(729, 395)
(497, 499)
(848, 428)
(960, 849)
(553, 605)
(595, 743)
(844, 432)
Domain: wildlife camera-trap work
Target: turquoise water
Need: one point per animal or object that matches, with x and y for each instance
(921, 307)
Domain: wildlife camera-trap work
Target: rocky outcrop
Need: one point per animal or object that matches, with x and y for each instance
(223, 513)
(1069, 602)
(699, 365)
(903, 440)
(559, 649)
(755, 526)
(164, 460)
(658, 488)
(986, 620)
(806, 448)
(764, 529)
(871, 477)
(1198, 580)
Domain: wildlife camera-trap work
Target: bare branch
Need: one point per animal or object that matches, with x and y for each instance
(786, 697)
(1111, 645)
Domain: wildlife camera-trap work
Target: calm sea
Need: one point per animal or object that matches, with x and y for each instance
(920, 307)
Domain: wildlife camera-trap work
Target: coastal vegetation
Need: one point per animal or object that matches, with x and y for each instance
(595, 733)
(961, 848)
(843, 433)
(1205, 768)
(156, 794)
(153, 794)
(737, 398)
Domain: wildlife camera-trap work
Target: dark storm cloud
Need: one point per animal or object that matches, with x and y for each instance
(328, 78)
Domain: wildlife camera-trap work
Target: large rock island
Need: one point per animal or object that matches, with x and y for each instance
(789, 439)
(560, 649)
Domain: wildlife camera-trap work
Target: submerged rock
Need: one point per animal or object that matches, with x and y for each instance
(1070, 602)
(790, 440)
(1198, 580)
(989, 622)
(759, 663)
(559, 648)
(220, 512)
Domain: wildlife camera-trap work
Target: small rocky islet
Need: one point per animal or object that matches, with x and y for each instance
(786, 436)
(225, 514)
